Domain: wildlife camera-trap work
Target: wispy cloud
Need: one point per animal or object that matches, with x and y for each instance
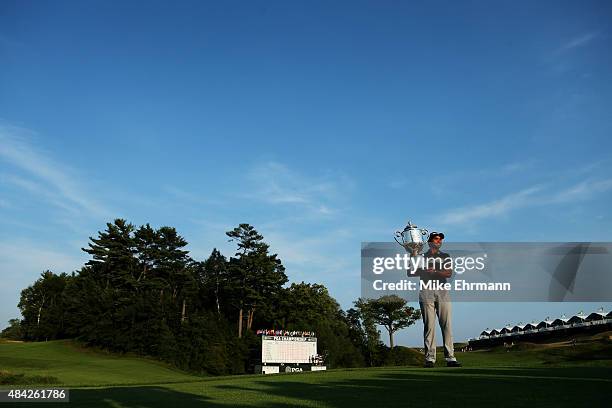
(493, 208)
(443, 183)
(52, 181)
(563, 58)
(578, 41)
(533, 196)
(275, 183)
(582, 191)
(39, 190)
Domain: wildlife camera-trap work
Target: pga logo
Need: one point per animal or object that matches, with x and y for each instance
(293, 369)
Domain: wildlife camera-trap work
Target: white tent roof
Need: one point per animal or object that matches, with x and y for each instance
(563, 320)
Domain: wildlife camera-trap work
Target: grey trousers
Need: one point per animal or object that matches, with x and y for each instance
(436, 303)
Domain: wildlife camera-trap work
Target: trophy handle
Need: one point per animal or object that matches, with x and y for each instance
(424, 232)
(398, 234)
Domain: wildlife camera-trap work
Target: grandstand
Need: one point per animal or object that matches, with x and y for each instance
(562, 328)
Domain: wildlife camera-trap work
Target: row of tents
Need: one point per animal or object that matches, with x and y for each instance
(548, 324)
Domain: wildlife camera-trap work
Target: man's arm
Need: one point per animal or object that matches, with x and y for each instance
(446, 273)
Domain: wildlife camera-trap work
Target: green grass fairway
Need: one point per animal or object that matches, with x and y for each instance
(77, 366)
(536, 376)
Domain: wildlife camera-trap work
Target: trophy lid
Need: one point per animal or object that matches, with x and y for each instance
(410, 226)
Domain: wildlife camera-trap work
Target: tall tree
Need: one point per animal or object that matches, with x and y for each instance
(41, 305)
(174, 272)
(213, 276)
(392, 313)
(147, 249)
(364, 330)
(255, 275)
(113, 254)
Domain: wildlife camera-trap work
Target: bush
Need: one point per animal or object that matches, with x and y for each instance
(402, 356)
(14, 331)
(8, 378)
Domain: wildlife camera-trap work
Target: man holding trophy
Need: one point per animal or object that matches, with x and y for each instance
(433, 302)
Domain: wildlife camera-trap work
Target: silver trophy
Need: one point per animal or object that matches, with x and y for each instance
(411, 239)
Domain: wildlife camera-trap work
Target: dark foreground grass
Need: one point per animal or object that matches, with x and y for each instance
(477, 387)
(517, 378)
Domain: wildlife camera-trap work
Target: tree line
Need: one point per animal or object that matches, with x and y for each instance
(141, 292)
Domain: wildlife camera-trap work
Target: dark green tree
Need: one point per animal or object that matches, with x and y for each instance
(13, 331)
(141, 292)
(305, 306)
(214, 279)
(174, 274)
(113, 255)
(42, 307)
(392, 313)
(255, 275)
(364, 331)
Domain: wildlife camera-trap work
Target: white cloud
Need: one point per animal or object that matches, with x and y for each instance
(533, 196)
(582, 191)
(275, 183)
(578, 41)
(47, 178)
(493, 208)
(38, 190)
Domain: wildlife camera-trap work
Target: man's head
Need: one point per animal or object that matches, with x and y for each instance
(435, 240)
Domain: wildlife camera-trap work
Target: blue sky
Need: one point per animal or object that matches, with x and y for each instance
(323, 124)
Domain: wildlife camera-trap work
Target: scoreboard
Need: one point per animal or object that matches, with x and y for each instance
(285, 349)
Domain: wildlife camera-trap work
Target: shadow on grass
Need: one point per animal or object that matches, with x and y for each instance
(451, 387)
(471, 387)
(128, 397)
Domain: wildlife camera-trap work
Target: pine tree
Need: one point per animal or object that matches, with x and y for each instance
(255, 275)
